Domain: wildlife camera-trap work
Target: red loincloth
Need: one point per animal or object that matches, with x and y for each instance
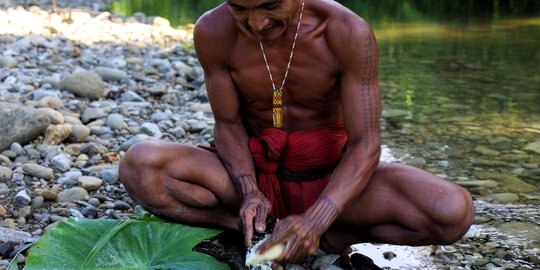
(303, 161)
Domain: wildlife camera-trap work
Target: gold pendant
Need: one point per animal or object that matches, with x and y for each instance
(277, 117)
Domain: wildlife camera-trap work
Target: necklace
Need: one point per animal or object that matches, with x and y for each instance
(277, 98)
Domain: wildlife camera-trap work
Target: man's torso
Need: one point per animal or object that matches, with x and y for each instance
(311, 95)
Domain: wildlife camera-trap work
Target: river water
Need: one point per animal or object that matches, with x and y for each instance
(461, 99)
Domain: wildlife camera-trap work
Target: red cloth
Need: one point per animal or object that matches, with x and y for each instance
(303, 150)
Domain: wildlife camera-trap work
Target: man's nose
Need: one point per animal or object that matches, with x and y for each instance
(257, 21)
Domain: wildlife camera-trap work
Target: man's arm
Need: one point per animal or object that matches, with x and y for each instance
(353, 43)
(360, 94)
(230, 136)
(357, 53)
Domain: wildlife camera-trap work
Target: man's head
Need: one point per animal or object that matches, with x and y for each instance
(268, 19)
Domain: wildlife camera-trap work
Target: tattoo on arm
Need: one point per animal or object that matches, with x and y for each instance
(324, 213)
(245, 184)
(368, 92)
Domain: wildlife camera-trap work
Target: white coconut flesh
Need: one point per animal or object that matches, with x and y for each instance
(253, 257)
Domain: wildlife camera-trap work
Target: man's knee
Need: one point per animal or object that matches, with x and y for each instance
(458, 217)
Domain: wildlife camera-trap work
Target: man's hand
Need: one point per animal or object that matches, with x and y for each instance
(255, 206)
(302, 233)
(253, 212)
(300, 237)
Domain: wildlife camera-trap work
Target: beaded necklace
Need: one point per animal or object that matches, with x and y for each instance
(277, 99)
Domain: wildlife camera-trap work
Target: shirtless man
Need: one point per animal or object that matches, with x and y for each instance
(303, 72)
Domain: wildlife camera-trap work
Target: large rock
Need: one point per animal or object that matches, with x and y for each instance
(533, 147)
(84, 84)
(20, 124)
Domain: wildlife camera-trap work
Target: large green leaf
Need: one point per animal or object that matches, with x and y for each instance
(121, 244)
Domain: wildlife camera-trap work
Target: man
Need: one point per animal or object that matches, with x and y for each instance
(294, 91)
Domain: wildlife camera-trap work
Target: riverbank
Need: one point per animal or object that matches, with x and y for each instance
(79, 86)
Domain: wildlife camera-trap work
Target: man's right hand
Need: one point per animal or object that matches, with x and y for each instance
(253, 212)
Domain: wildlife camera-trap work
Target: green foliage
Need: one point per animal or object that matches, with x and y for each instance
(181, 12)
(146, 243)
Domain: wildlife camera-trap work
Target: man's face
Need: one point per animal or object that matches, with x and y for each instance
(268, 19)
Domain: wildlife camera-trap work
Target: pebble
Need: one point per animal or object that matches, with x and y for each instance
(37, 202)
(84, 84)
(22, 198)
(73, 194)
(56, 134)
(38, 171)
(62, 162)
(69, 178)
(89, 182)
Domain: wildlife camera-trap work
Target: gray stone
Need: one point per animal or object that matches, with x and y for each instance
(18, 149)
(69, 178)
(325, 261)
(504, 197)
(158, 89)
(111, 74)
(511, 183)
(38, 171)
(79, 133)
(477, 183)
(55, 117)
(5, 172)
(110, 176)
(486, 151)
(73, 194)
(20, 124)
(38, 202)
(7, 62)
(151, 129)
(116, 121)
(130, 96)
(135, 139)
(94, 202)
(7, 235)
(84, 84)
(90, 182)
(22, 198)
(62, 162)
(533, 147)
(50, 102)
(121, 205)
(92, 113)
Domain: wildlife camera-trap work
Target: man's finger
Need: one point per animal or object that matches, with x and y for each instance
(260, 220)
(247, 217)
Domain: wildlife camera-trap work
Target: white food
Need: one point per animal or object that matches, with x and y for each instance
(253, 258)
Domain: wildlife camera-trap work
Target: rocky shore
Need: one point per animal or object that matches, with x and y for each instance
(79, 86)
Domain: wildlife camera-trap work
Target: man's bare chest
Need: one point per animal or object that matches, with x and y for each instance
(313, 73)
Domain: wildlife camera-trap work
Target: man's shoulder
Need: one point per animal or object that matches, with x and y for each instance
(217, 22)
(340, 17)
